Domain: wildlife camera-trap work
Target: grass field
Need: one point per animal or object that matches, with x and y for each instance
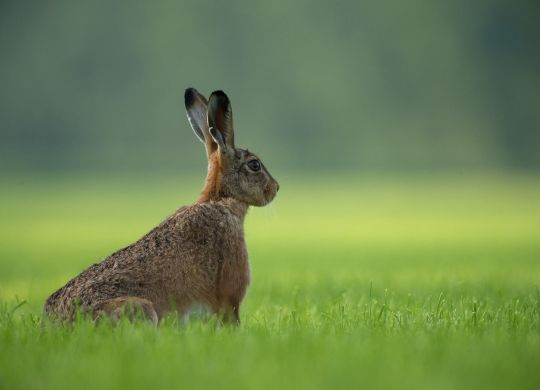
(415, 282)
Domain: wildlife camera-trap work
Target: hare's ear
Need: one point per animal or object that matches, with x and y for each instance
(196, 108)
(220, 120)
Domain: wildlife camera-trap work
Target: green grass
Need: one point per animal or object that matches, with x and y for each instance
(356, 282)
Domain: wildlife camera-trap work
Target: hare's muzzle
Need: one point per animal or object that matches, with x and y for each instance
(271, 190)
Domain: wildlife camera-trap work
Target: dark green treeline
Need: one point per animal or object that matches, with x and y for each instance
(315, 85)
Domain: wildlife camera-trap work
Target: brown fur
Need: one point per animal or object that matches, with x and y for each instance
(197, 255)
(213, 180)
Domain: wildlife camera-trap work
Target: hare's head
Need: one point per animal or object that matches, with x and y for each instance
(232, 172)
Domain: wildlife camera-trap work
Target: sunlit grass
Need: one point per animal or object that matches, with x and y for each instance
(356, 282)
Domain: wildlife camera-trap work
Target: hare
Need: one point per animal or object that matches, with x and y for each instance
(198, 255)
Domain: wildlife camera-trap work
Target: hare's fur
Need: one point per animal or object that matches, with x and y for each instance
(197, 255)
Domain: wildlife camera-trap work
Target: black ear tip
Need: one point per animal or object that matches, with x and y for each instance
(220, 96)
(189, 96)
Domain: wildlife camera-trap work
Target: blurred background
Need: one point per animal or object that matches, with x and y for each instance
(325, 86)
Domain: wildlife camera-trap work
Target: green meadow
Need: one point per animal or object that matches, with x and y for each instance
(416, 282)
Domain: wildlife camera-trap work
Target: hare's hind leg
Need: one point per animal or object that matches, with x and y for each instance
(131, 307)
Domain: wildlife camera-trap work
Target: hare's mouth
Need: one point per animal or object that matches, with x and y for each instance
(269, 193)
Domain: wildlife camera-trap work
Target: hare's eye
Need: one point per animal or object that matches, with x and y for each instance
(254, 165)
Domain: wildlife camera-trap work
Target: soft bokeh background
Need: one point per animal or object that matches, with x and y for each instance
(403, 249)
(316, 85)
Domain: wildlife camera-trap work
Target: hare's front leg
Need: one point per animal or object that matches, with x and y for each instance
(131, 307)
(229, 310)
(231, 315)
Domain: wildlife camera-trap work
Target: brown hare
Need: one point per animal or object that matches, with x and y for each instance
(198, 255)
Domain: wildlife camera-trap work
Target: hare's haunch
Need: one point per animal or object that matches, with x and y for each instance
(197, 255)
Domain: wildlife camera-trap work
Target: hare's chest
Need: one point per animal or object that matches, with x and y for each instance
(235, 271)
(234, 277)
